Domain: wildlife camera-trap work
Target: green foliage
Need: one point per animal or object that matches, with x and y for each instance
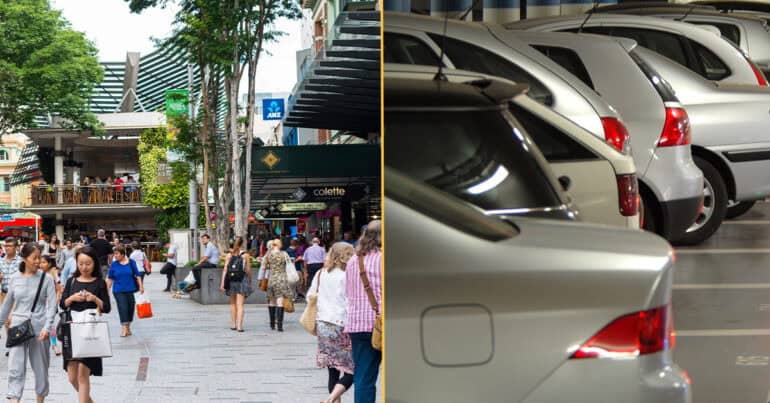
(45, 67)
(152, 151)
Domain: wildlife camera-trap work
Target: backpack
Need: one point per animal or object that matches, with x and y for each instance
(235, 271)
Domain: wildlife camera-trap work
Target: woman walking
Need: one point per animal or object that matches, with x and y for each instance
(236, 281)
(86, 289)
(278, 287)
(38, 306)
(138, 256)
(124, 279)
(334, 349)
(361, 314)
(48, 266)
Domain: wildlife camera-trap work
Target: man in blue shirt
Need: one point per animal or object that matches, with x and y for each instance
(210, 258)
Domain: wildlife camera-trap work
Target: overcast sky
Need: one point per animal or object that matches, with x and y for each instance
(115, 31)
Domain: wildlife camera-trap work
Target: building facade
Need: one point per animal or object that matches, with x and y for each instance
(11, 146)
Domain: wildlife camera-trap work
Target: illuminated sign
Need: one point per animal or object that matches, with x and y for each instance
(284, 207)
(272, 108)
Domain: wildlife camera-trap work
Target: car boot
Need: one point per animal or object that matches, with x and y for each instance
(271, 310)
(279, 318)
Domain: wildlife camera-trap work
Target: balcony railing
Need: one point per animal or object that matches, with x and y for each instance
(92, 194)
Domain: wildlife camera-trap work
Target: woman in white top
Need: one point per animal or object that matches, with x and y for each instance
(138, 256)
(334, 349)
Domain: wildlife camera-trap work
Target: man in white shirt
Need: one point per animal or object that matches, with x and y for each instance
(169, 269)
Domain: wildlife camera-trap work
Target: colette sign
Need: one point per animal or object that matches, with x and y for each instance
(317, 193)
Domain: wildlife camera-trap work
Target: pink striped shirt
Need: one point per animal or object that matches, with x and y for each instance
(360, 313)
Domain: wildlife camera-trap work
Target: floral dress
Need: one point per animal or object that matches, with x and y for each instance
(277, 283)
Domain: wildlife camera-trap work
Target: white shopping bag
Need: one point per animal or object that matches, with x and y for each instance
(90, 336)
(190, 279)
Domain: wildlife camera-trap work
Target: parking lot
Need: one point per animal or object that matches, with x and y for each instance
(722, 311)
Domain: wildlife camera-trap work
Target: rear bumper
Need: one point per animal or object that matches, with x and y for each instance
(640, 380)
(678, 215)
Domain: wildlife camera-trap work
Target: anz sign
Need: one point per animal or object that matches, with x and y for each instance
(272, 108)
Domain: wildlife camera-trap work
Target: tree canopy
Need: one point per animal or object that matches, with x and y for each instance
(45, 67)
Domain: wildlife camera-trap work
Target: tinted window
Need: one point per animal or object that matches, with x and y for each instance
(661, 85)
(404, 49)
(713, 67)
(473, 58)
(552, 142)
(475, 155)
(569, 60)
(728, 31)
(666, 44)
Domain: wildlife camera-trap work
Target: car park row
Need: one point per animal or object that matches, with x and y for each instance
(500, 137)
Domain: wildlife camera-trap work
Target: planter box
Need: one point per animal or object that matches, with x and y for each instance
(210, 294)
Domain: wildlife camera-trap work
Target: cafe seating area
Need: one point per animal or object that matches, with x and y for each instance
(93, 194)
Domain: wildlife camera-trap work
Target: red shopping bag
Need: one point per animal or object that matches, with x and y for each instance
(144, 308)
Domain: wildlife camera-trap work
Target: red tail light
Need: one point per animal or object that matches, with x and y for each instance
(615, 134)
(676, 130)
(761, 80)
(628, 195)
(639, 333)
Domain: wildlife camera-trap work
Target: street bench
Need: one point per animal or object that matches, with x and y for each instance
(210, 294)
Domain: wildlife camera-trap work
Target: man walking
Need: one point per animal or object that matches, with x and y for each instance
(8, 266)
(210, 258)
(313, 259)
(103, 251)
(169, 269)
(65, 254)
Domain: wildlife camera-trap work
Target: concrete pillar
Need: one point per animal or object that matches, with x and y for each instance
(60, 227)
(501, 11)
(452, 8)
(403, 6)
(543, 8)
(58, 169)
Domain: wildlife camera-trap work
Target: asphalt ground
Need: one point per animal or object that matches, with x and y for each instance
(721, 303)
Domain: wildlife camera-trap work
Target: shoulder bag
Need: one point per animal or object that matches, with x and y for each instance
(291, 271)
(147, 265)
(309, 315)
(23, 332)
(377, 329)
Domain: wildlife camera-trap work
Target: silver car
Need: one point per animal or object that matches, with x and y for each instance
(730, 141)
(750, 33)
(671, 184)
(694, 47)
(483, 309)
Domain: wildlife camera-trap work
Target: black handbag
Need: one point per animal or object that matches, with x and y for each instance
(23, 332)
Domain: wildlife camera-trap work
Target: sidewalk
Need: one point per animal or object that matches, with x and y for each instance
(193, 356)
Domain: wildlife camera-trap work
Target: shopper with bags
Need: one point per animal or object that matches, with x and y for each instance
(327, 292)
(124, 279)
(363, 289)
(32, 296)
(85, 290)
(236, 281)
(279, 294)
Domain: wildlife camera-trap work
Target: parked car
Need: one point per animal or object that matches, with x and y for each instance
(749, 32)
(730, 140)
(602, 181)
(671, 184)
(698, 49)
(756, 8)
(416, 40)
(522, 309)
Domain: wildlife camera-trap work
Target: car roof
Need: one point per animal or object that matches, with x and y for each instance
(419, 93)
(579, 39)
(736, 5)
(736, 17)
(689, 30)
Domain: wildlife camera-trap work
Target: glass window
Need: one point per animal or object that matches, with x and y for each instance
(567, 59)
(729, 31)
(659, 83)
(713, 67)
(475, 155)
(665, 43)
(405, 49)
(3, 155)
(473, 58)
(552, 142)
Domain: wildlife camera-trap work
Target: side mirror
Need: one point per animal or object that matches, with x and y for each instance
(565, 182)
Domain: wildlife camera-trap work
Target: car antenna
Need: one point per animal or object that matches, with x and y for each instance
(440, 76)
(468, 10)
(692, 7)
(588, 17)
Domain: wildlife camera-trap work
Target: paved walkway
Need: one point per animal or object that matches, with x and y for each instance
(193, 356)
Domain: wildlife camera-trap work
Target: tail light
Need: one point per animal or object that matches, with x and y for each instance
(761, 80)
(676, 130)
(616, 135)
(639, 333)
(628, 195)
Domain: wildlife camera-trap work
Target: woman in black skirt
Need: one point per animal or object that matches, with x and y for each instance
(86, 289)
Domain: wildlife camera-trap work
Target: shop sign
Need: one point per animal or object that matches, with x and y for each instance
(317, 193)
(285, 207)
(272, 108)
(6, 217)
(176, 103)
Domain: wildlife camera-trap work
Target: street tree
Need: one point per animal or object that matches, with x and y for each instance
(46, 67)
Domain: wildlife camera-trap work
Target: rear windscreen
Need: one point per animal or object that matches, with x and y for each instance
(659, 83)
(477, 156)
